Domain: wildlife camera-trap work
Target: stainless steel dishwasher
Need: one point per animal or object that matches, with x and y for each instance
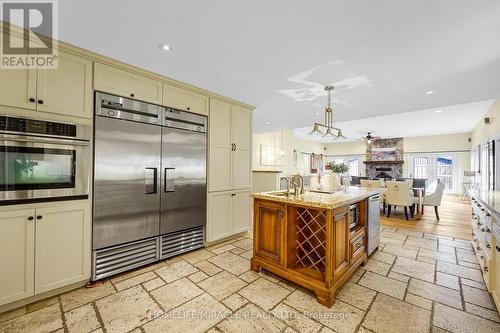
(373, 223)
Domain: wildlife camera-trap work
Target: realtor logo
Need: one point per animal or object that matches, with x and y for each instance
(30, 34)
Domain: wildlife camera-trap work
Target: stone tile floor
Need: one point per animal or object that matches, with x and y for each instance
(415, 283)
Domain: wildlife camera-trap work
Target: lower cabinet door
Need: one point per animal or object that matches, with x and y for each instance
(17, 254)
(241, 211)
(269, 230)
(62, 246)
(496, 272)
(219, 224)
(340, 242)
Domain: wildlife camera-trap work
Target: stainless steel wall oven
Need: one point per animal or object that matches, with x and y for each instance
(42, 160)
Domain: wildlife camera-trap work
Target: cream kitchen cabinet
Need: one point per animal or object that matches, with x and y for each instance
(230, 130)
(62, 251)
(495, 290)
(228, 214)
(124, 83)
(43, 248)
(17, 254)
(183, 99)
(66, 90)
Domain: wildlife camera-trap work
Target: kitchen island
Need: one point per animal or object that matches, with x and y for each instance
(316, 240)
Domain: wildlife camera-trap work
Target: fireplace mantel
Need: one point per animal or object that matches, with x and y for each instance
(383, 162)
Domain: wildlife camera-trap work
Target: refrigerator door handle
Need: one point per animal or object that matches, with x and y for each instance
(169, 180)
(151, 187)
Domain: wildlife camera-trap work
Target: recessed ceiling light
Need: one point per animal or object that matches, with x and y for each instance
(317, 113)
(429, 92)
(267, 123)
(438, 111)
(165, 47)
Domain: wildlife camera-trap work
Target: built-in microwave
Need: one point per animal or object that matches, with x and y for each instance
(353, 216)
(43, 160)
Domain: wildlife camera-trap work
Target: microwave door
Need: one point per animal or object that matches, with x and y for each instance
(126, 181)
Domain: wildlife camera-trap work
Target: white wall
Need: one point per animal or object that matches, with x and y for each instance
(482, 132)
(288, 143)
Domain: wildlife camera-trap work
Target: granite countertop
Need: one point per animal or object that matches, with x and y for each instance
(348, 196)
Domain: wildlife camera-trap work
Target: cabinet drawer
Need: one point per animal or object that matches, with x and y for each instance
(357, 247)
(186, 100)
(122, 83)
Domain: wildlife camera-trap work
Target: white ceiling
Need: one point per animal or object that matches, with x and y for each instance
(277, 55)
(460, 118)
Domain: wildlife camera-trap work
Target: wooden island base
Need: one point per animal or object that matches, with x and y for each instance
(310, 246)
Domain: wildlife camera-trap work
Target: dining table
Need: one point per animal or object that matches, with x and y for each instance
(418, 192)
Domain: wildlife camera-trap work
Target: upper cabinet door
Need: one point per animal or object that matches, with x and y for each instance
(220, 170)
(242, 128)
(220, 124)
(186, 100)
(122, 83)
(17, 253)
(18, 87)
(66, 90)
(62, 246)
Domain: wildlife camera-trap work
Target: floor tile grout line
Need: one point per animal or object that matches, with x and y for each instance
(63, 314)
(99, 317)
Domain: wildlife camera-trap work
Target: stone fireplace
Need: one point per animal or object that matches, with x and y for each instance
(392, 168)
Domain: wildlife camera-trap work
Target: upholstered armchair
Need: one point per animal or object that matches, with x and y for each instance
(434, 199)
(399, 194)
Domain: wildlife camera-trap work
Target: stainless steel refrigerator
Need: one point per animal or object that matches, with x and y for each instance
(149, 183)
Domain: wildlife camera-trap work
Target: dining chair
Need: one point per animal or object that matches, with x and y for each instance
(434, 199)
(370, 183)
(398, 194)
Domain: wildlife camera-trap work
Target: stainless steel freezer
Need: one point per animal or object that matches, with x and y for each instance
(149, 183)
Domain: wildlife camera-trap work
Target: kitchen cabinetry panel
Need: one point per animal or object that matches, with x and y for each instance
(62, 255)
(219, 216)
(123, 83)
(17, 254)
(219, 178)
(242, 128)
(241, 215)
(228, 214)
(220, 124)
(268, 230)
(186, 100)
(341, 241)
(230, 131)
(66, 90)
(242, 173)
(18, 87)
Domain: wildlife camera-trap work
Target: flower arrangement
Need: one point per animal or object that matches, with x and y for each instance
(339, 168)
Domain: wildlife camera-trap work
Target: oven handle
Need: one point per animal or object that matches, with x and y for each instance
(50, 141)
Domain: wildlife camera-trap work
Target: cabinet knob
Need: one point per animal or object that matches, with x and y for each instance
(478, 248)
(40, 101)
(488, 246)
(39, 217)
(30, 218)
(485, 269)
(482, 257)
(188, 108)
(132, 95)
(498, 248)
(473, 234)
(32, 100)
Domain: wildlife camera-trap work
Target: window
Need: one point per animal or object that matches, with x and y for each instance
(420, 167)
(444, 171)
(354, 167)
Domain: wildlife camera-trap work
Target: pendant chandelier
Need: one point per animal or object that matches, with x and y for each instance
(331, 131)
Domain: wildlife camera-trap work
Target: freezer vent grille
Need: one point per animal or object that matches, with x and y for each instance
(181, 241)
(122, 258)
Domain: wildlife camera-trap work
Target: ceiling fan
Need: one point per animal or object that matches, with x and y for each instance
(369, 138)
